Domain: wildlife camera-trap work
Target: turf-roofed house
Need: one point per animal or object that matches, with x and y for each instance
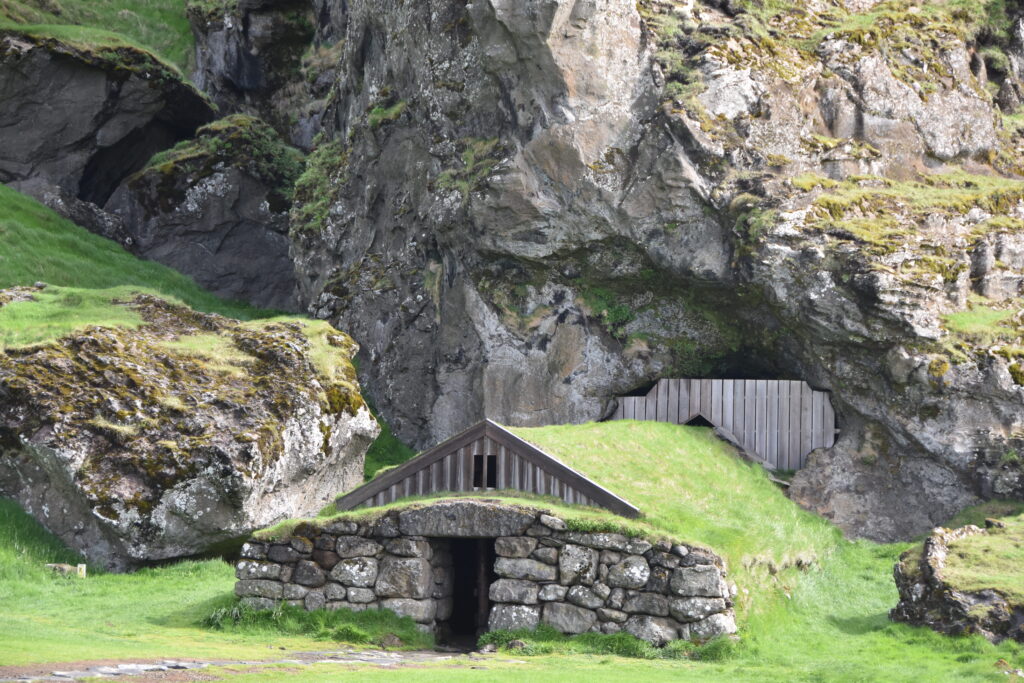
(490, 530)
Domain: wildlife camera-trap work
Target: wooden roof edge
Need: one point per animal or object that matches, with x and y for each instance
(427, 457)
(595, 491)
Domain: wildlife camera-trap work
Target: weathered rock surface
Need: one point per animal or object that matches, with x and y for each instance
(928, 598)
(132, 448)
(80, 119)
(249, 60)
(544, 211)
(216, 209)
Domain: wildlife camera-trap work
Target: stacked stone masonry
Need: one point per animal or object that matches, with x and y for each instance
(542, 573)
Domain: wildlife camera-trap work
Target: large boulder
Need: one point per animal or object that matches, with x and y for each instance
(136, 445)
(216, 209)
(81, 117)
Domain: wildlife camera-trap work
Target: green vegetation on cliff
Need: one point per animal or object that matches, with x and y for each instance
(989, 561)
(159, 26)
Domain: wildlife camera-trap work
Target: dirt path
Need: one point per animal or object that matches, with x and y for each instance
(168, 670)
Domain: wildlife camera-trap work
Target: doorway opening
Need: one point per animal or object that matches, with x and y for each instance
(472, 574)
(699, 421)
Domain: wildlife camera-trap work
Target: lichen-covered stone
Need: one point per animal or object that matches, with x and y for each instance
(646, 603)
(259, 588)
(695, 609)
(257, 570)
(404, 577)
(702, 580)
(577, 564)
(408, 547)
(514, 590)
(513, 617)
(309, 574)
(633, 572)
(357, 571)
(356, 546)
(514, 546)
(464, 518)
(524, 568)
(552, 591)
(655, 630)
(584, 597)
(712, 626)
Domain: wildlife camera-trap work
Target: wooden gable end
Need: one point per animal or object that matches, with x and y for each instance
(485, 457)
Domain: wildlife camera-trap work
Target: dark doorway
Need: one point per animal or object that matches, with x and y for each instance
(472, 574)
(699, 421)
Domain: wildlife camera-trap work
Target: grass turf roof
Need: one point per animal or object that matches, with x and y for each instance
(690, 486)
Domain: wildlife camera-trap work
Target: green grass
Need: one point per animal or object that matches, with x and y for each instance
(158, 26)
(37, 245)
(387, 451)
(985, 323)
(990, 560)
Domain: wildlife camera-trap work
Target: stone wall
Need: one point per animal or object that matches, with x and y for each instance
(542, 573)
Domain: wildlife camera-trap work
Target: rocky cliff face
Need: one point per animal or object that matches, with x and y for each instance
(522, 210)
(216, 208)
(192, 430)
(79, 118)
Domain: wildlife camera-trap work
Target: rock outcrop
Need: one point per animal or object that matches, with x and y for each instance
(79, 118)
(249, 59)
(555, 203)
(404, 561)
(135, 445)
(928, 596)
(216, 208)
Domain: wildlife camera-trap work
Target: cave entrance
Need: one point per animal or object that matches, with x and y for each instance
(472, 574)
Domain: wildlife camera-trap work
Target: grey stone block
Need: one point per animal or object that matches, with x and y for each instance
(546, 555)
(420, 611)
(569, 618)
(695, 609)
(356, 546)
(654, 604)
(252, 569)
(308, 573)
(719, 624)
(632, 572)
(356, 571)
(514, 546)
(513, 617)
(409, 547)
(514, 590)
(361, 595)
(584, 597)
(702, 580)
(577, 564)
(259, 588)
(552, 591)
(524, 568)
(404, 577)
(655, 630)
(315, 600)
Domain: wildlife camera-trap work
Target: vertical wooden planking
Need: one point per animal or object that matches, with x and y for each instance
(684, 401)
(716, 402)
(749, 415)
(737, 409)
(783, 425)
(695, 387)
(771, 449)
(651, 404)
(663, 390)
(673, 401)
(829, 425)
(727, 404)
(793, 458)
(805, 422)
(705, 398)
(394, 493)
(761, 417)
(817, 418)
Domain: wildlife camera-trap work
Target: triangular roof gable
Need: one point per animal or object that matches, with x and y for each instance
(573, 483)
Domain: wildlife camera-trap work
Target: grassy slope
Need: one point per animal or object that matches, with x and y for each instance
(38, 245)
(157, 25)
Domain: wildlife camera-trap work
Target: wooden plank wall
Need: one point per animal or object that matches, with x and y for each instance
(454, 472)
(781, 421)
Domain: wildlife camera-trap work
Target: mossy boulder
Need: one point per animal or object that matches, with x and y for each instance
(190, 430)
(965, 580)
